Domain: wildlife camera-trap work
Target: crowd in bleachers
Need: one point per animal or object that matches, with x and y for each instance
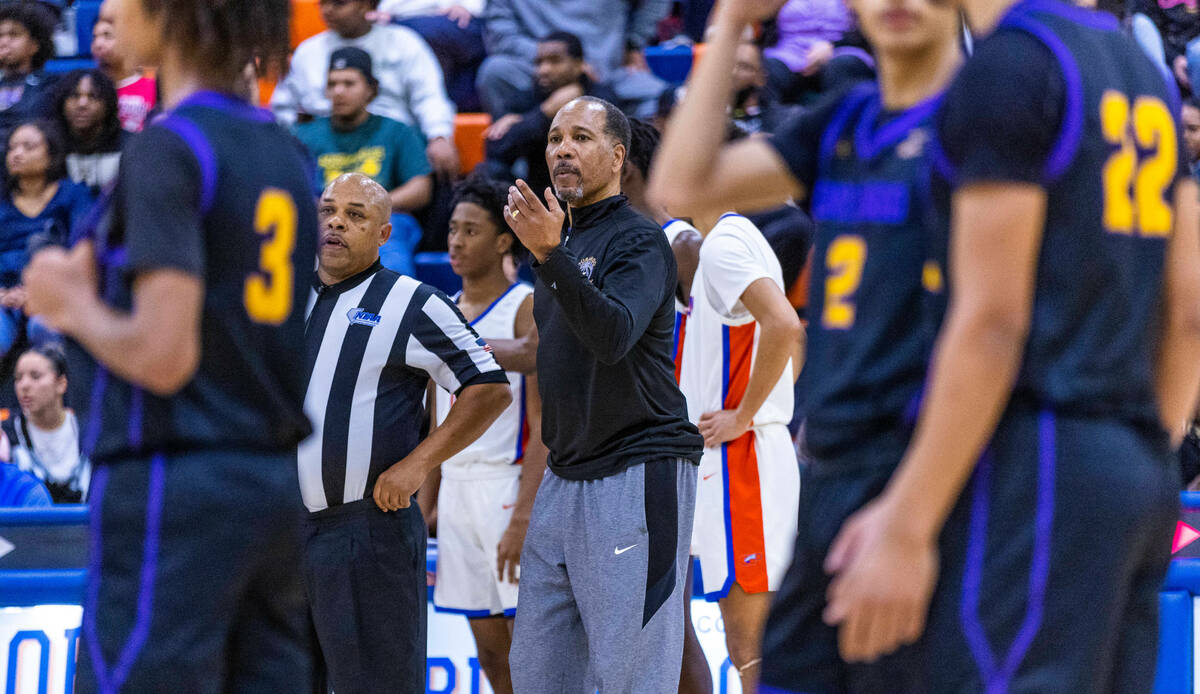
(420, 93)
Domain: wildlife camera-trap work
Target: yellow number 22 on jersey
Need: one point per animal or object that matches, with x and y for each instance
(268, 293)
(1134, 183)
(844, 263)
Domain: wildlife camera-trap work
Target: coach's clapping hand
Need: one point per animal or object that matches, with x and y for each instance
(397, 484)
(60, 282)
(538, 226)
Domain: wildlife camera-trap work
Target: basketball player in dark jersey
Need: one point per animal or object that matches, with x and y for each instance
(1063, 375)
(186, 296)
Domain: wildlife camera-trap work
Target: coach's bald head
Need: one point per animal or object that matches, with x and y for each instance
(354, 215)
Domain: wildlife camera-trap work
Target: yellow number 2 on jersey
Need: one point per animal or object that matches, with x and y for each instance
(268, 293)
(844, 263)
(1135, 185)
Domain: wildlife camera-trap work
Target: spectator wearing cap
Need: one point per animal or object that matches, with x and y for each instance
(559, 77)
(411, 89)
(354, 140)
(454, 30)
(513, 29)
(26, 43)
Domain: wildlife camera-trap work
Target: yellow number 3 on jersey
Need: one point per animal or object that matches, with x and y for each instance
(1145, 211)
(268, 294)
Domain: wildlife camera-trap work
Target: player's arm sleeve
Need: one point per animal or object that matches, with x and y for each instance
(411, 161)
(441, 344)
(1002, 117)
(798, 142)
(611, 320)
(161, 198)
(731, 266)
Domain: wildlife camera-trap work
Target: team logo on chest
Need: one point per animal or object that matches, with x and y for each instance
(361, 316)
(914, 145)
(587, 266)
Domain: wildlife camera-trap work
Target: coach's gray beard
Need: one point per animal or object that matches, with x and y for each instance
(569, 195)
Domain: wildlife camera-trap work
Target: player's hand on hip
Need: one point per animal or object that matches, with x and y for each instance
(508, 552)
(397, 484)
(883, 580)
(721, 426)
(59, 283)
(538, 226)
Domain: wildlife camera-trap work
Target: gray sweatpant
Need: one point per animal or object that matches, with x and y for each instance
(602, 577)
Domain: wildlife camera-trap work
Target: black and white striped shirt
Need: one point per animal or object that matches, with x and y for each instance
(373, 342)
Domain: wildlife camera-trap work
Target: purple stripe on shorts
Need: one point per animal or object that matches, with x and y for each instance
(997, 679)
(111, 682)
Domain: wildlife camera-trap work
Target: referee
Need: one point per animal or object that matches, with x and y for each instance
(374, 339)
(606, 553)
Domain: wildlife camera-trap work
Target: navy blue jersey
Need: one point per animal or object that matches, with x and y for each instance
(216, 190)
(868, 171)
(1058, 97)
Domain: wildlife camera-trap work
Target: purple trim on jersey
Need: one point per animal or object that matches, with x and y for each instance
(855, 52)
(869, 143)
(91, 432)
(940, 161)
(1071, 130)
(203, 151)
(845, 110)
(669, 222)
(111, 682)
(997, 680)
(729, 214)
(227, 103)
(491, 306)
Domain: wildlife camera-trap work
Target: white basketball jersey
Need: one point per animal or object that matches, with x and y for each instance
(722, 337)
(498, 452)
(672, 229)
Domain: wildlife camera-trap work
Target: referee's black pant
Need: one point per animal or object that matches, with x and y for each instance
(364, 570)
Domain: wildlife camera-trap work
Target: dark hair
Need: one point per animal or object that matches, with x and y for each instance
(39, 21)
(110, 124)
(53, 352)
(492, 196)
(616, 124)
(574, 45)
(56, 149)
(643, 143)
(1193, 101)
(222, 36)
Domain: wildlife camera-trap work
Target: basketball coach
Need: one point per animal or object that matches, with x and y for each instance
(602, 571)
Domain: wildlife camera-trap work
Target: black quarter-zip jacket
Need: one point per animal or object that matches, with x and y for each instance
(604, 306)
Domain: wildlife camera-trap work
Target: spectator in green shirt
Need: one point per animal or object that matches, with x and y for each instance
(352, 140)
